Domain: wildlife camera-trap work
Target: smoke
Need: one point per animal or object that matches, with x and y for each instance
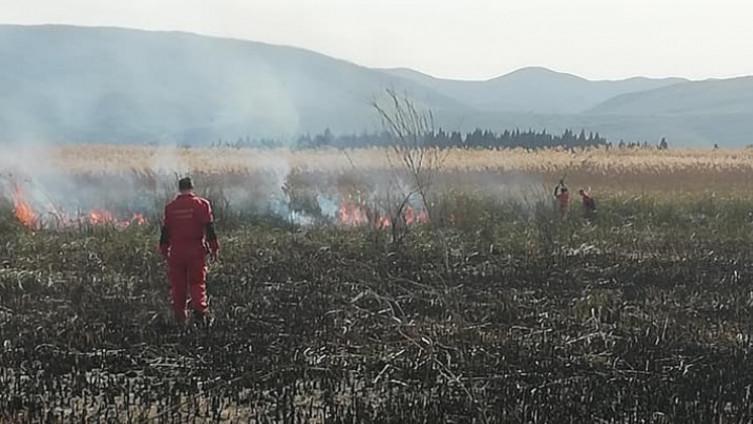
(109, 85)
(62, 193)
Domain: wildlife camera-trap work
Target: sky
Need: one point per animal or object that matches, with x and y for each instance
(460, 39)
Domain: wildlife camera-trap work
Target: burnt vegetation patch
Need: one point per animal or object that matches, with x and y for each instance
(623, 319)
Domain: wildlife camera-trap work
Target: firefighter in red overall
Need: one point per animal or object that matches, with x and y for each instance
(563, 197)
(187, 237)
(589, 204)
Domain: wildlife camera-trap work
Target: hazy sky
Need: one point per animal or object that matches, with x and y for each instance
(468, 39)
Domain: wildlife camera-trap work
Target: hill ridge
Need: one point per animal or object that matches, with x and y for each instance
(67, 83)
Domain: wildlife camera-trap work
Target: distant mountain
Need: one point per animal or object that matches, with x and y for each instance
(64, 83)
(534, 90)
(73, 84)
(711, 97)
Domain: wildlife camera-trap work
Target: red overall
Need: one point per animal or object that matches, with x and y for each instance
(185, 247)
(588, 202)
(563, 200)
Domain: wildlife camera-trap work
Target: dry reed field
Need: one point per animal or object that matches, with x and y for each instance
(625, 170)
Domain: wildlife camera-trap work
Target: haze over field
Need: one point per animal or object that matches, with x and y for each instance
(76, 84)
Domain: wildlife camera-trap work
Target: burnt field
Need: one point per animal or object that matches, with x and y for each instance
(643, 315)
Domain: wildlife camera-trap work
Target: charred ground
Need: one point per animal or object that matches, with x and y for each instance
(641, 316)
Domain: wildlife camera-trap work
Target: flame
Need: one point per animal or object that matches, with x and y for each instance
(412, 217)
(138, 219)
(354, 214)
(22, 209)
(100, 216)
(105, 217)
(30, 218)
(383, 223)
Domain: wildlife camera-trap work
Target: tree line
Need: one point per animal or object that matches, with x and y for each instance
(477, 139)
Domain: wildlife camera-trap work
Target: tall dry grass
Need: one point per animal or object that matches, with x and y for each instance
(689, 170)
(113, 158)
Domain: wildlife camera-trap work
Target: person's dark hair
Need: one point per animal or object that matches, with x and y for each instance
(185, 184)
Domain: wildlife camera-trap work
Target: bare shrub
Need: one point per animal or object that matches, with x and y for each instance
(414, 163)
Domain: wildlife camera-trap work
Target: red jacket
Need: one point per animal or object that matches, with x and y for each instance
(563, 198)
(588, 202)
(188, 226)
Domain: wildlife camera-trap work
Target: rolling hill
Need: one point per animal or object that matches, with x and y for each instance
(711, 97)
(535, 90)
(81, 84)
(104, 84)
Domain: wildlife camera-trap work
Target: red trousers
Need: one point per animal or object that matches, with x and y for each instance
(188, 276)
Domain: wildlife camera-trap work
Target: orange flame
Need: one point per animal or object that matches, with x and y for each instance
(354, 214)
(100, 216)
(22, 209)
(412, 217)
(105, 217)
(29, 218)
(137, 219)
